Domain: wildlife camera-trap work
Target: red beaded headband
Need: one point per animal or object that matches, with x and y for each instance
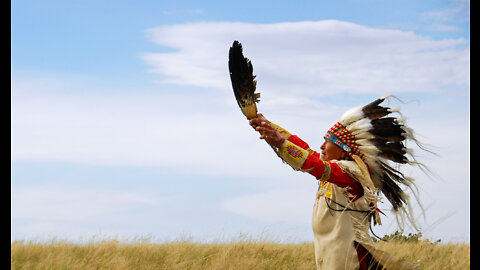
(342, 137)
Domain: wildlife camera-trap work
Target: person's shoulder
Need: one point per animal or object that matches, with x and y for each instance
(343, 162)
(346, 165)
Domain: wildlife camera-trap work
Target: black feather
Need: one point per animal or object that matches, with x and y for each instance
(243, 80)
(387, 128)
(389, 135)
(392, 192)
(396, 157)
(389, 179)
(373, 104)
(394, 174)
(387, 146)
(374, 111)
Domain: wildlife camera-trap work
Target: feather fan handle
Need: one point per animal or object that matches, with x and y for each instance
(243, 80)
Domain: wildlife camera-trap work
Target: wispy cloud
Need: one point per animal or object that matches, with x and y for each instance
(460, 11)
(447, 20)
(191, 123)
(320, 58)
(286, 206)
(69, 204)
(50, 212)
(295, 64)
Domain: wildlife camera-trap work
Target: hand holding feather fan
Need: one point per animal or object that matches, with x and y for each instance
(243, 80)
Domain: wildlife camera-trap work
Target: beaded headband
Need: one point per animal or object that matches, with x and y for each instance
(342, 137)
(337, 141)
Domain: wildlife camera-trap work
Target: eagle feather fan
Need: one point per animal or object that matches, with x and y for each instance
(243, 80)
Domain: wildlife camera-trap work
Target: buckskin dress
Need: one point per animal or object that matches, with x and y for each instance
(344, 206)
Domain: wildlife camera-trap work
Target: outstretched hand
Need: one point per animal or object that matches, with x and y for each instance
(268, 133)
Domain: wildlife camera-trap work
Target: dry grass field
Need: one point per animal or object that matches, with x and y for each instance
(113, 254)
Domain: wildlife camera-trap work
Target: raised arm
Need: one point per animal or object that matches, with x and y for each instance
(297, 153)
(284, 143)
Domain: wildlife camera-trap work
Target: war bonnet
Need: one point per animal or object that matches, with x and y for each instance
(378, 138)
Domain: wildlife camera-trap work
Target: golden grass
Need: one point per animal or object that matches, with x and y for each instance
(113, 254)
(430, 256)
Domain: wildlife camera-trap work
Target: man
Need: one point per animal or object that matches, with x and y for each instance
(352, 167)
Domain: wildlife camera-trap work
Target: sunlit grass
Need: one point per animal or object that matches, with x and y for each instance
(244, 254)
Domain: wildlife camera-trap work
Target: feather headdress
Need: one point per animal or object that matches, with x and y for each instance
(378, 138)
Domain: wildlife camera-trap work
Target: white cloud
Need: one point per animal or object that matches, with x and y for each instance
(202, 131)
(293, 206)
(316, 58)
(460, 11)
(68, 204)
(448, 19)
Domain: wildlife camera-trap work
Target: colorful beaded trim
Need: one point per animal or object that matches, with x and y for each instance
(326, 171)
(342, 137)
(337, 141)
(294, 151)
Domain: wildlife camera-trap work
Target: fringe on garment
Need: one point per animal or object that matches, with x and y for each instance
(361, 223)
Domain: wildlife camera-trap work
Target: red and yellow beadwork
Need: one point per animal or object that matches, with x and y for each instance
(344, 138)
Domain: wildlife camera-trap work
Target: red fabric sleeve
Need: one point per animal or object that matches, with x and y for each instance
(315, 166)
(299, 142)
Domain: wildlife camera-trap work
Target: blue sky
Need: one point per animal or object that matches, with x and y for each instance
(124, 123)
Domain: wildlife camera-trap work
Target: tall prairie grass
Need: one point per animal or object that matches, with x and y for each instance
(114, 254)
